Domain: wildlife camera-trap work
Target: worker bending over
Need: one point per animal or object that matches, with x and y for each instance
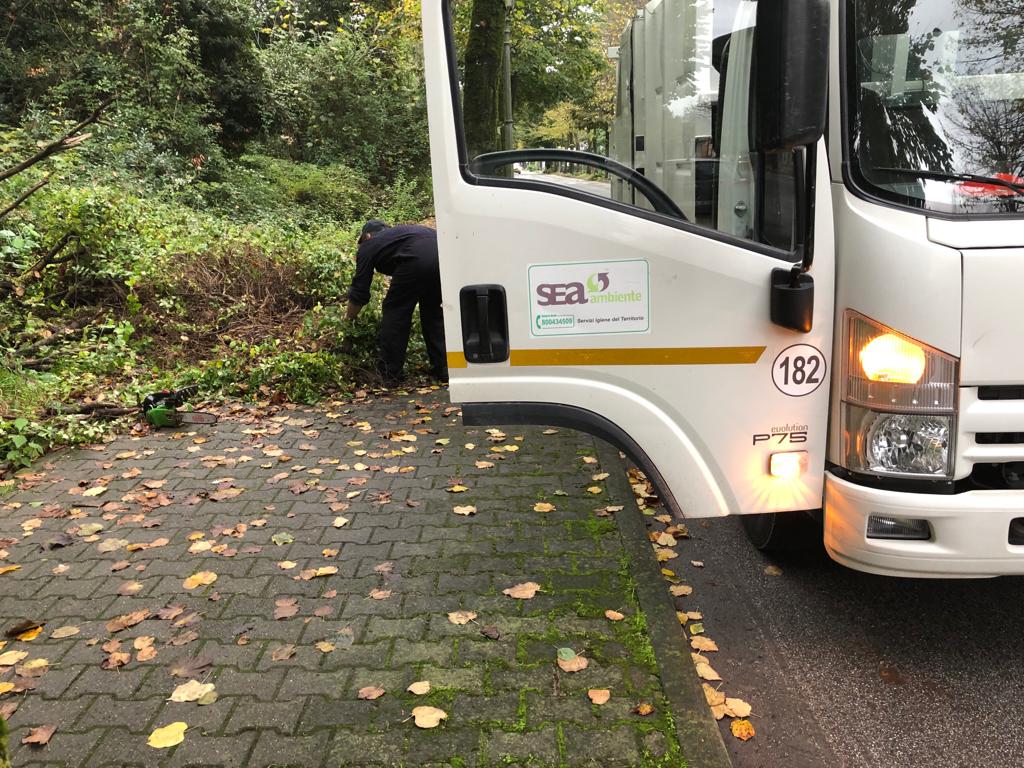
(409, 255)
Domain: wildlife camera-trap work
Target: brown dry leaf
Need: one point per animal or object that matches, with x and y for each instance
(421, 688)
(130, 588)
(713, 696)
(115, 660)
(643, 709)
(201, 579)
(146, 654)
(570, 661)
(285, 611)
(665, 539)
(484, 464)
(225, 494)
(143, 641)
(599, 696)
(195, 667)
(461, 617)
(127, 620)
(524, 591)
(705, 671)
(168, 736)
(369, 693)
(614, 615)
(742, 729)
(39, 737)
(283, 653)
(703, 644)
(737, 708)
(428, 717)
(543, 506)
(380, 594)
(680, 590)
(62, 632)
(465, 511)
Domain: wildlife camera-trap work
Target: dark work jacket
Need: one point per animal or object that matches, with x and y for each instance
(385, 252)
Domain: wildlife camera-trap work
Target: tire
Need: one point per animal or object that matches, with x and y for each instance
(782, 532)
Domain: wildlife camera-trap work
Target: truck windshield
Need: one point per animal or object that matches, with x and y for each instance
(937, 103)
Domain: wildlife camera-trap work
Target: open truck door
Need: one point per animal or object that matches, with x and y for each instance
(677, 312)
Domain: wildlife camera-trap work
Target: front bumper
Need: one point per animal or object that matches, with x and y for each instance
(970, 532)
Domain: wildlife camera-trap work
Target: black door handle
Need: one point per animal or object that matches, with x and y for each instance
(484, 323)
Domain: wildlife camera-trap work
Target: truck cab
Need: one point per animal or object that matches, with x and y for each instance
(797, 291)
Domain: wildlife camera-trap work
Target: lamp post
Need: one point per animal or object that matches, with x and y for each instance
(506, 132)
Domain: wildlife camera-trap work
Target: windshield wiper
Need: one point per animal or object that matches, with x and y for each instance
(944, 176)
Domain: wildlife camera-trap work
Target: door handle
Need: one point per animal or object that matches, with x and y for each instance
(484, 323)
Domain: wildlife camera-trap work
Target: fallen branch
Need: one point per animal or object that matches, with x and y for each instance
(96, 410)
(23, 197)
(69, 140)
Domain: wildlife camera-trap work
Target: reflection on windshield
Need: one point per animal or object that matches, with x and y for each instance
(940, 87)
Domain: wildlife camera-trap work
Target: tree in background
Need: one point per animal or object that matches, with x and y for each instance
(483, 56)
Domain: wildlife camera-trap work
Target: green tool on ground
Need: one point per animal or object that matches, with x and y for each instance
(161, 409)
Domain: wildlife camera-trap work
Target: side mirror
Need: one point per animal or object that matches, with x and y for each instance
(791, 50)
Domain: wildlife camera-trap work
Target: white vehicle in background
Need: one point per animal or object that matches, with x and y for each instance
(806, 290)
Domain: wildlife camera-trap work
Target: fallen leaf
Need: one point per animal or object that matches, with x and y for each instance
(39, 737)
(369, 693)
(697, 563)
(324, 647)
(457, 489)
(465, 511)
(422, 688)
(614, 615)
(225, 494)
(168, 736)
(543, 506)
(737, 708)
(680, 590)
(195, 667)
(484, 464)
(127, 620)
(643, 709)
(461, 617)
(713, 696)
(705, 671)
(599, 696)
(524, 591)
(201, 579)
(703, 644)
(115, 660)
(490, 632)
(286, 565)
(340, 522)
(570, 661)
(595, 489)
(98, 490)
(62, 632)
(428, 717)
(380, 594)
(772, 570)
(146, 654)
(283, 653)
(193, 690)
(9, 569)
(30, 634)
(143, 641)
(282, 538)
(742, 729)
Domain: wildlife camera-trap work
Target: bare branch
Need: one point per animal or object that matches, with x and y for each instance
(23, 197)
(69, 140)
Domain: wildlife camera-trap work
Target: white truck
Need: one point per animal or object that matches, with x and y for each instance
(803, 289)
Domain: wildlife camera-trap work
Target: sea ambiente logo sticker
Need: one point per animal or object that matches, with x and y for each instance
(589, 297)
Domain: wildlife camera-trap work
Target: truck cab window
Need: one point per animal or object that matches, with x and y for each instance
(936, 103)
(663, 91)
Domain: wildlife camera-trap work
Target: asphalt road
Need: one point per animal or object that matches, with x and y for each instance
(847, 669)
(600, 188)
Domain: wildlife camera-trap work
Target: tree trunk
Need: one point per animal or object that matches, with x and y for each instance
(483, 76)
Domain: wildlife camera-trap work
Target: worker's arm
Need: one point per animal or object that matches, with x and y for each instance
(353, 310)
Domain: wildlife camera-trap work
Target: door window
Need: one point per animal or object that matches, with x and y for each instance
(626, 105)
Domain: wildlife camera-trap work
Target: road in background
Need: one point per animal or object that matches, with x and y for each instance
(600, 188)
(847, 669)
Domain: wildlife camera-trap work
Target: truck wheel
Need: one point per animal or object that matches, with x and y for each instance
(783, 531)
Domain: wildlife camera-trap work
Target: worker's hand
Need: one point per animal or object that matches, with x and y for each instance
(346, 346)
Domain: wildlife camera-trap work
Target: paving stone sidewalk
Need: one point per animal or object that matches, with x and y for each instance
(256, 501)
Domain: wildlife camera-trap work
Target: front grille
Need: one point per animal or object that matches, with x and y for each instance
(1001, 392)
(999, 438)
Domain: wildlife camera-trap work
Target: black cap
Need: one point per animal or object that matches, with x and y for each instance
(371, 227)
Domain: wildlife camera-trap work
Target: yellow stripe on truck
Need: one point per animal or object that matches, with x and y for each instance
(532, 358)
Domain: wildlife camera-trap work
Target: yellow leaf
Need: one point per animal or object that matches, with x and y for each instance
(614, 615)
(524, 591)
(737, 708)
(714, 697)
(193, 690)
(599, 696)
(324, 647)
(9, 569)
(543, 506)
(742, 729)
(458, 489)
(465, 511)
(6, 688)
(30, 634)
(461, 617)
(705, 672)
(680, 590)
(703, 644)
(422, 688)
(428, 717)
(595, 489)
(326, 570)
(10, 658)
(340, 522)
(98, 490)
(168, 736)
(286, 565)
(201, 579)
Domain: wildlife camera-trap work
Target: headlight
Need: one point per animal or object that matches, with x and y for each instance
(899, 411)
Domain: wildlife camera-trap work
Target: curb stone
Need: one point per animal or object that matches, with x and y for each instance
(699, 736)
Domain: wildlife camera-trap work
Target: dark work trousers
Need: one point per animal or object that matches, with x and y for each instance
(416, 281)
